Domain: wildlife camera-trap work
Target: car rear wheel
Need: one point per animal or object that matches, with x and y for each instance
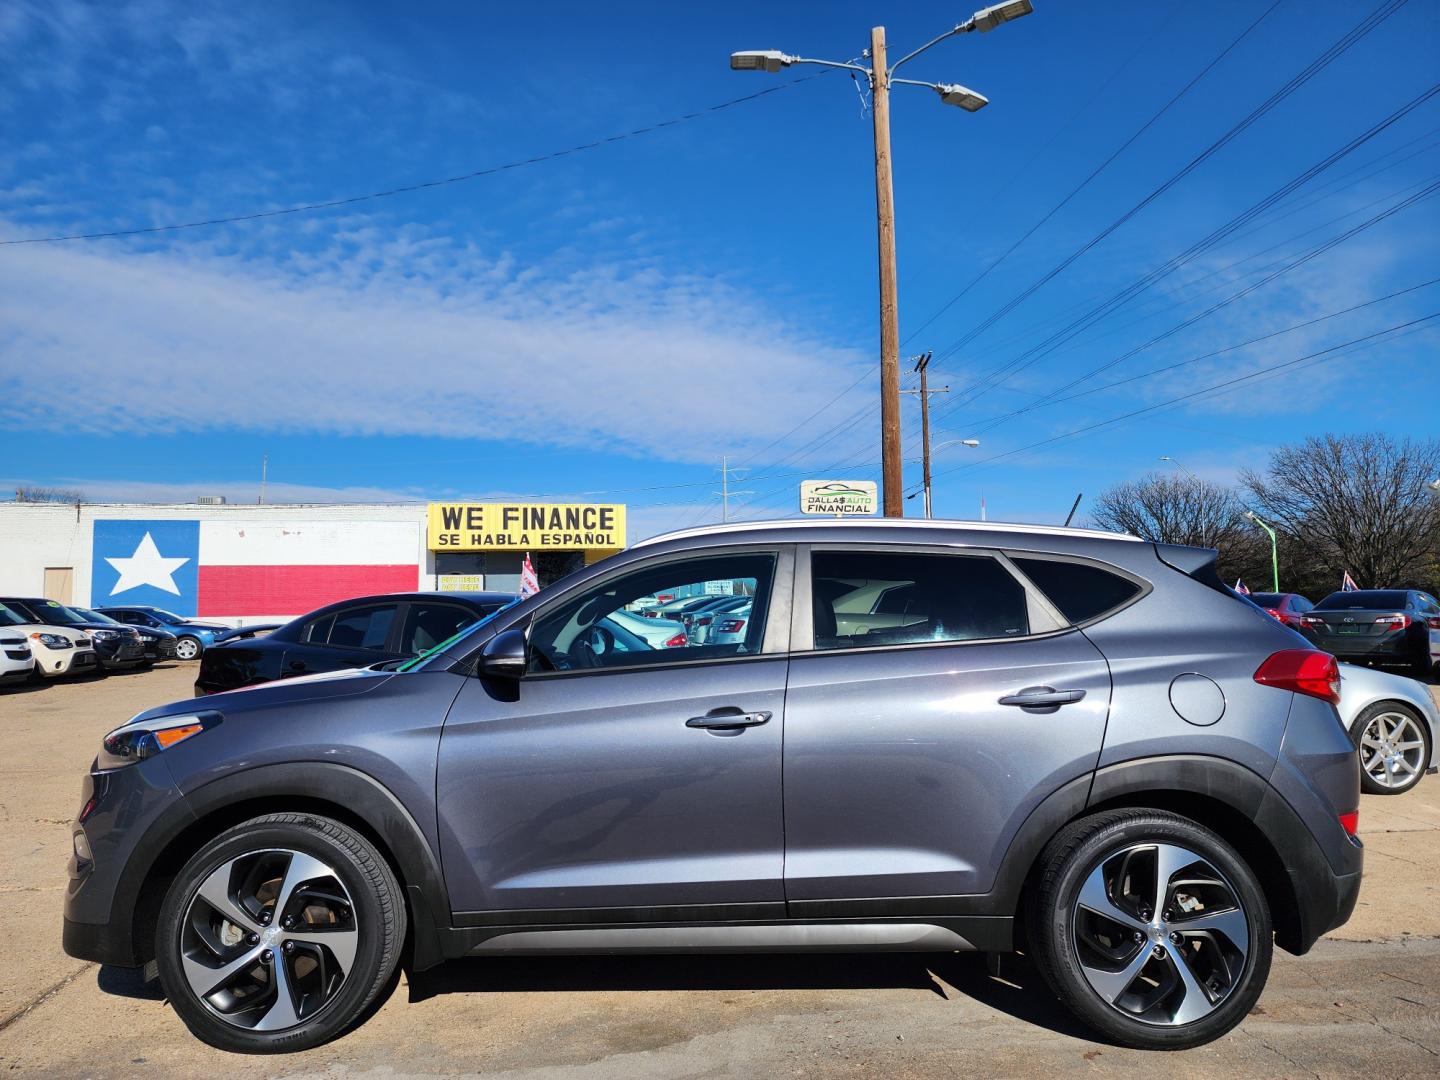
(1394, 748)
(279, 934)
(187, 648)
(1150, 928)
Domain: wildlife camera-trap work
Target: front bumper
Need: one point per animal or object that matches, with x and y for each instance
(123, 654)
(136, 813)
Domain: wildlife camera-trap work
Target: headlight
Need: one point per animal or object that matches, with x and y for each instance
(140, 739)
(52, 641)
(103, 635)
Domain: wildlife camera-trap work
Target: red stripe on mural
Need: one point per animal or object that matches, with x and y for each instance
(294, 590)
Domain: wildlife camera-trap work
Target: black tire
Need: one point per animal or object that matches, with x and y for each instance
(378, 913)
(1368, 784)
(185, 641)
(1082, 849)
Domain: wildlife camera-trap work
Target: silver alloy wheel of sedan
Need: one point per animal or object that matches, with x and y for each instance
(268, 939)
(1160, 934)
(1392, 749)
(187, 648)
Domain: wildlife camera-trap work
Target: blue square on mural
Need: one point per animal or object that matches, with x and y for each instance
(155, 563)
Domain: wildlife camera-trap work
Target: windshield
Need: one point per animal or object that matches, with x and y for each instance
(11, 618)
(459, 635)
(1268, 599)
(95, 616)
(165, 616)
(1365, 600)
(56, 614)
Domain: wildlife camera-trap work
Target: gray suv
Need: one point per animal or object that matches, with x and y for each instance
(991, 737)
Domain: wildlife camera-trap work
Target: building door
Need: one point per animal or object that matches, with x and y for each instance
(60, 584)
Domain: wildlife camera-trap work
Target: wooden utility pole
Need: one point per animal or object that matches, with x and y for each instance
(891, 472)
(922, 365)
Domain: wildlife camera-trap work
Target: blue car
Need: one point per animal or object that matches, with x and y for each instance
(191, 638)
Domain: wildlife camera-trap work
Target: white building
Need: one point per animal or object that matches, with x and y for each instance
(242, 564)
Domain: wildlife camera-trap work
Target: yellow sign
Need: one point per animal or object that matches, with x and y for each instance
(526, 526)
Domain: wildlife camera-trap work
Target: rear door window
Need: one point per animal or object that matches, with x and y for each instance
(1082, 592)
(428, 624)
(362, 628)
(868, 599)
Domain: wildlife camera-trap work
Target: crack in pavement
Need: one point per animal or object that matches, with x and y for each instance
(1281, 1054)
(42, 997)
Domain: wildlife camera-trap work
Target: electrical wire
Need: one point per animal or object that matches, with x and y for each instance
(406, 189)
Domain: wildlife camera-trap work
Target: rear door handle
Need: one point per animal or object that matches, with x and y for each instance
(1042, 698)
(727, 718)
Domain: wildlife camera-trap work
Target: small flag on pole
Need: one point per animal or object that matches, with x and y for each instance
(1347, 583)
(529, 583)
(1240, 587)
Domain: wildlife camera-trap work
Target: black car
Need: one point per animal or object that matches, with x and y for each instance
(159, 644)
(348, 634)
(1379, 626)
(116, 647)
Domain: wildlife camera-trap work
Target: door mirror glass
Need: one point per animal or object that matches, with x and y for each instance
(503, 656)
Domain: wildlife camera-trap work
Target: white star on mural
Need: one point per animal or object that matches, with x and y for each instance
(146, 567)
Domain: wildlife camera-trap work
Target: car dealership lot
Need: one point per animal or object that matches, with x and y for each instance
(1366, 1000)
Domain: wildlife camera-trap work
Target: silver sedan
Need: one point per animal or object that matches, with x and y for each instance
(1393, 722)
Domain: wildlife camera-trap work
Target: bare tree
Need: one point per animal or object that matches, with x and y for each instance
(47, 495)
(1357, 503)
(1174, 510)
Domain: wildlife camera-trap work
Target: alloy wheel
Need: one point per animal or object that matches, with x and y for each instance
(1391, 749)
(1160, 934)
(268, 939)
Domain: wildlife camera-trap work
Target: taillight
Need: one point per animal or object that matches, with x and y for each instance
(1312, 620)
(730, 626)
(1350, 822)
(704, 620)
(1401, 621)
(1305, 671)
(1274, 613)
(1433, 621)
(676, 641)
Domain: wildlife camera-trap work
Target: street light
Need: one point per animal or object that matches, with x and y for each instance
(1274, 547)
(1172, 461)
(881, 76)
(925, 489)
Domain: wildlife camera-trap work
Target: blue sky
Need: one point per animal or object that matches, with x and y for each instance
(615, 320)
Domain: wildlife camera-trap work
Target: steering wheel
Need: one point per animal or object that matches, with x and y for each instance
(592, 646)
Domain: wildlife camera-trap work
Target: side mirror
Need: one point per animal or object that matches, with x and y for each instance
(504, 655)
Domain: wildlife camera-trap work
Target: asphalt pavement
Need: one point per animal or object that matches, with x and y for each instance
(1364, 1002)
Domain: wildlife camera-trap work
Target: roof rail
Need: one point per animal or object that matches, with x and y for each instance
(881, 523)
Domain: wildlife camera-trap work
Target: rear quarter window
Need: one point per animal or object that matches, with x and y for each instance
(1082, 592)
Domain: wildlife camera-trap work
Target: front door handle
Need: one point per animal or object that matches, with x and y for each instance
(727, 718)
(1042, 699)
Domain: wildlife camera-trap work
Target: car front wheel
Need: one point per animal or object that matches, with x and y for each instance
(279, 934)
(1150, 928)
(187, 648)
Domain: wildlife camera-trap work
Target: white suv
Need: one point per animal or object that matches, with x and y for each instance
(55, 650)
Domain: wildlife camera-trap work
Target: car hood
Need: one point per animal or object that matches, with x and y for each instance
(322, 686)
(71, 632)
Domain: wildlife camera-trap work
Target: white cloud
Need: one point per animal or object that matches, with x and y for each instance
(405, 336)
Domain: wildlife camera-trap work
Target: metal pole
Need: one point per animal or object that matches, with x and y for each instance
(724, 489)
(925, 432)
(891, 472)
(264, 469)
(1274, 554)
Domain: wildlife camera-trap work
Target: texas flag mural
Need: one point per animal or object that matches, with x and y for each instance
(247, 568)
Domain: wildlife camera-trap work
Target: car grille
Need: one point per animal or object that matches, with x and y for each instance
(85, 660)
(18, 654)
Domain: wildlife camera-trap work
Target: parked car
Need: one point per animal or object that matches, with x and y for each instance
(1171, 799)
(191, 638)
(729, 628)
(55, 650)
(17, 662)
(117, 648)
(352, 633)
(1287, 607)
(1381, 626)
(158, 644)
(699, 619)
(1393, 722)
(657, 633)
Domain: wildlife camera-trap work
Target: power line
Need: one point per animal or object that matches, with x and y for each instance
(1327, 57)
(1098, 169)
(406, 189)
